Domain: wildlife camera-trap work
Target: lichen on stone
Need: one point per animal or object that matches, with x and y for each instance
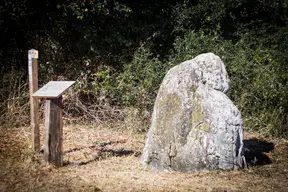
(193, 120)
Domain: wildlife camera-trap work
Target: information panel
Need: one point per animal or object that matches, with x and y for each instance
(53, 89)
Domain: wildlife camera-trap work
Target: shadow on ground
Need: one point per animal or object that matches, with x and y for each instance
(100, 152)
(254, 151)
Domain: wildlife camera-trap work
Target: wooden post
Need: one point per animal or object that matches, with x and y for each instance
(53, 141)
(34, 104)
(53, 146)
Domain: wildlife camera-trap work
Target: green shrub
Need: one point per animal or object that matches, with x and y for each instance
(258, 79)
(195, 43)
(139, 82)
(259, 90)
(104, 82)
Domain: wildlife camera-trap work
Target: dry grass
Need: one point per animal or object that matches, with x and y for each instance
(106, 158)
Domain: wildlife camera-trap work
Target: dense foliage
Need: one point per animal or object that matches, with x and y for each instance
(120, 50)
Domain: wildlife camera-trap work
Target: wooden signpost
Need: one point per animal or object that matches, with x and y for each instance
(52, 92)
(34, 104)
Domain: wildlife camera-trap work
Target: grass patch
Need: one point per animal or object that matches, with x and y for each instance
(98, 158)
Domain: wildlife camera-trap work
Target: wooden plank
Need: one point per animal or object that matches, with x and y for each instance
(53, 144)
(34, 103)
(53, 89)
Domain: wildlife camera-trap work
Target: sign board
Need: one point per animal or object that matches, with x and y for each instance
(53, 89)
(33, 54)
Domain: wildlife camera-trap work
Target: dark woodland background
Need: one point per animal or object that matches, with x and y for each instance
(119, 51)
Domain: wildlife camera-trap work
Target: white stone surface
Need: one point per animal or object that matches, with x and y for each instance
(195, 126)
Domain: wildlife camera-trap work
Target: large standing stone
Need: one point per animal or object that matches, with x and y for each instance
(195, 126)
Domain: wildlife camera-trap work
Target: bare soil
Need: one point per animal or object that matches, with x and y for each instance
(106, 158)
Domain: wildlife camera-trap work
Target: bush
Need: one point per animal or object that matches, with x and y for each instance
(260, 90)
(139, 82)
(14, 99)
(258, 78)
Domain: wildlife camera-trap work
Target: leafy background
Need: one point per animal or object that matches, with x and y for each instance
(119, 51)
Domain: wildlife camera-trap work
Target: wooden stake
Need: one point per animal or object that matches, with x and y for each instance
(53, 145)
(53, 141)
(34, 104)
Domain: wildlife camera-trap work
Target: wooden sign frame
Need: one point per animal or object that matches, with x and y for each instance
(53, 144)
(53, 141)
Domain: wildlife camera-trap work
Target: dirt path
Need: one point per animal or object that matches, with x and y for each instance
(107, 159)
